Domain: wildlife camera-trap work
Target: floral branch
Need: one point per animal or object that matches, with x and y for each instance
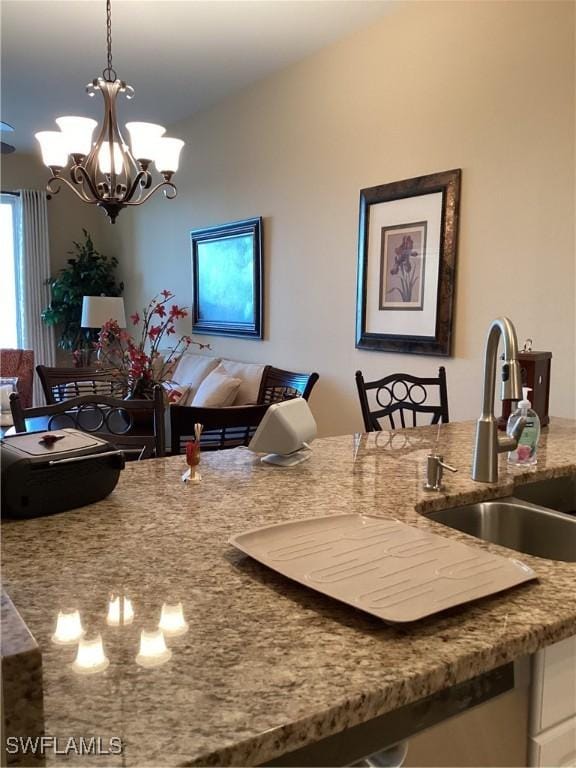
(135, 361)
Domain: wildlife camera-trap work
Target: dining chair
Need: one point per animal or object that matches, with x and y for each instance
(278, 385)
(63, 383)
(133, 426)
(401, 394)
(223, 428)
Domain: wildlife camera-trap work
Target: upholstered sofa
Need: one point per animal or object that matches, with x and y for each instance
(228, 397)
(205, 381)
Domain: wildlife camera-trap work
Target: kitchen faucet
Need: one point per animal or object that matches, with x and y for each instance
(488, 442)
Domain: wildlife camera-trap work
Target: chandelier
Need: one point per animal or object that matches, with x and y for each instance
(108, 173)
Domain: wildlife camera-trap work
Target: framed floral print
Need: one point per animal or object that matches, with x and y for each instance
(227, 279)
(407, 264)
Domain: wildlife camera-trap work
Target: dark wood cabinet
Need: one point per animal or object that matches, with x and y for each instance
(535, 368)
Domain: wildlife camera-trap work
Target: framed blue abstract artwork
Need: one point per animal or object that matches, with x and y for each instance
(227, 279)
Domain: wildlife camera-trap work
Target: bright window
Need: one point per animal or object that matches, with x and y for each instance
(9, 315)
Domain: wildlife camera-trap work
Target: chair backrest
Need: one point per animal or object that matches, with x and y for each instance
(223, 427)
(278, 385)
(134, 426)
(19, 363)
(400, 394)
(63, 383)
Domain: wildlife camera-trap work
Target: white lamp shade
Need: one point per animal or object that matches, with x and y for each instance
(104, 158)
(97, 310)
(167, 154)
(53, 146)
(90, 657)
(144, 137)
(77, 133)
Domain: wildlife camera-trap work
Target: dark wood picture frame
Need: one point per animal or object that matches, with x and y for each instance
(218, 319)
(439, 342)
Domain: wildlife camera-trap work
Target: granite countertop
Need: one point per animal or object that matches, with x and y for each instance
(266, 666)
(21, 677)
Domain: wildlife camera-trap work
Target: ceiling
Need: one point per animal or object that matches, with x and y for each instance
(179, 55)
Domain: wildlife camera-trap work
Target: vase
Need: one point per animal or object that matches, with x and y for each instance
(141, 389)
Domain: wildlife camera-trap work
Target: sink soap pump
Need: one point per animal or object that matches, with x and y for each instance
(525, 452)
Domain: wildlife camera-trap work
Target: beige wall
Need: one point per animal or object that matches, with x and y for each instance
(66, 215)
(484, 86)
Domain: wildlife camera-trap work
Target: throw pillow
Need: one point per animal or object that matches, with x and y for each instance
(250, 375)
(191, 371)
(176, 393)
(216, 391)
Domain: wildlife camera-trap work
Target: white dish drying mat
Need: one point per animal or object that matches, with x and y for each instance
(391, 570)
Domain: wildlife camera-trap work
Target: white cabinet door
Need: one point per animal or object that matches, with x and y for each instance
(554, 685)
(556, 746)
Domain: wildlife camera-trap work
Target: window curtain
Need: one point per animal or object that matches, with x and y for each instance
(34, 271)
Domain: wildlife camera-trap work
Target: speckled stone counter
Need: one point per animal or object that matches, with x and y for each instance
(22, 699)
(266, 666)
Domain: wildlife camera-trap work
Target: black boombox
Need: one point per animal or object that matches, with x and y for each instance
(47, 472)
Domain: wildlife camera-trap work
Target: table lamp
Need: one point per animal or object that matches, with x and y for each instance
(97, 310)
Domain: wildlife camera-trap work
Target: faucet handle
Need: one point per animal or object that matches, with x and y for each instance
(434, 470)
(446, 466)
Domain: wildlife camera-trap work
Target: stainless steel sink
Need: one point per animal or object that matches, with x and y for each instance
(559, 493)
(517, 525)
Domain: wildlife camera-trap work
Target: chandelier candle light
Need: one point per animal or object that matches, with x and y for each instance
(108, 173)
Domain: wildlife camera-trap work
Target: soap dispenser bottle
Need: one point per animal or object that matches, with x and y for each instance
(525, 453)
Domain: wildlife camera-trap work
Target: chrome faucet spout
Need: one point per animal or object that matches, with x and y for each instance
(488, 443)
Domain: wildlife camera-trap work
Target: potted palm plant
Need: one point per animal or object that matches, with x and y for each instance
(88, 273)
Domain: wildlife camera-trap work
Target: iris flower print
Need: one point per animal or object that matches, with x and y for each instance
(403, 266)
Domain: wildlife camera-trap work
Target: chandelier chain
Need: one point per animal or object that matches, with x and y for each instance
(109, 73)
(109, 31)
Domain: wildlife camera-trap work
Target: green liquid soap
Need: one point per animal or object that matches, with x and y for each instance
(526, 452)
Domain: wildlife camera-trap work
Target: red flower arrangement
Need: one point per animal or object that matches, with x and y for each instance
(140, 364)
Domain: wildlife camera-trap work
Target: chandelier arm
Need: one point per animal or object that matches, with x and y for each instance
(53, 185)
(79, 170)
(140, 176)
(111, 137)
(168, 184)
(79, 192)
